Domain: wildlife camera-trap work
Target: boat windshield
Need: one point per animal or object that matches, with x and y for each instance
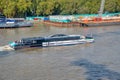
(2, 16)
(58, 35)
(87, 37)
(12, 44)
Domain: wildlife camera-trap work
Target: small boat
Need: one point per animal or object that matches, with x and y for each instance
(11, 23)
(54, 40)
(16, 25)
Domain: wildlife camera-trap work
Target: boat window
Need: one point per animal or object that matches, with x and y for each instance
(34, 42)
(2, 16)
(87, 37)
(58, 35)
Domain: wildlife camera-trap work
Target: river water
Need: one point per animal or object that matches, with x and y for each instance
(96, 61)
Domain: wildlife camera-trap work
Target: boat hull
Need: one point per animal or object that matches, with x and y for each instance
(102, 24)
(16, 25)
(64, 43)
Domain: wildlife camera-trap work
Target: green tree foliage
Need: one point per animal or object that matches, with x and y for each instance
(112, 6)
(22, 8)
(9, 9)
(33, 8)
(1, 5)
(46, 7)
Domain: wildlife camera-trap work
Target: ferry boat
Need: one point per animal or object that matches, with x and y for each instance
(54, 40)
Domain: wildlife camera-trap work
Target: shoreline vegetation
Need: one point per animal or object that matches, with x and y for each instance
(23, 8)
(63, 12)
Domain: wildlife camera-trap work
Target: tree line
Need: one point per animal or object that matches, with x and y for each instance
(23, 8)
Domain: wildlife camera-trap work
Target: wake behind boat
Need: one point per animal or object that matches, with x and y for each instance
(54, 40)
(6, 48)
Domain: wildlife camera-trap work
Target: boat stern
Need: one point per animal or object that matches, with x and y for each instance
(13, 45)
(89, 39)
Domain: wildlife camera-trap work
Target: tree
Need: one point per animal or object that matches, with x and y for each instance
(112, 5)
(23, 6)
(9, 8)
(45, 8)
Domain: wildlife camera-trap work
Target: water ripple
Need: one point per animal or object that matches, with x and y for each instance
(97, 71)
(4, 53)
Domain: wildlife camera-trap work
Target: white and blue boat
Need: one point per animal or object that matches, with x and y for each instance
(11, 23)
(55, 40)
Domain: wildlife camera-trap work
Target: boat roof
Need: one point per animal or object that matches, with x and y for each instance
(64, 35)
(58, 35)
(32, 38)
(53, 36)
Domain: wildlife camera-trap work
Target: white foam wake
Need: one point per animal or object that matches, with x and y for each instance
(6, 48)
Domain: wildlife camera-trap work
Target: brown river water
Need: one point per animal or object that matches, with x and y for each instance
(96, 61)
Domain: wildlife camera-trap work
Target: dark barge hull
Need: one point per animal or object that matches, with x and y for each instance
(101, 24)
(82, 24)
